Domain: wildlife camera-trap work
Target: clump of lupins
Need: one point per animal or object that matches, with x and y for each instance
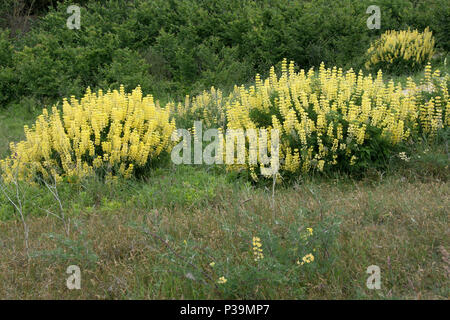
(326, 119)
(209, 106)
(401, 50)
(114, 132)
(335, 120)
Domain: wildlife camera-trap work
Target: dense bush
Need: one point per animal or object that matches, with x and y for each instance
(7, 73)
(434, 14)
(331, 120)
(111, 134)
(177, 47)
(401, 51)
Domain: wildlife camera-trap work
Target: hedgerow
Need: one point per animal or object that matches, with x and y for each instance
(176, 47)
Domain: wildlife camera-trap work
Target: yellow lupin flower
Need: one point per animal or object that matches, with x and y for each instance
(257, 250)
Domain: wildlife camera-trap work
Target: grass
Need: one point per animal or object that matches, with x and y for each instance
(441, 63)
(12, 121)
(151, 240)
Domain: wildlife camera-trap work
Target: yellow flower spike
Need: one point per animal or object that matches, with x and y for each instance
(257, 250)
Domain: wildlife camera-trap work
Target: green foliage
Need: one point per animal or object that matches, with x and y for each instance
(177, 187)
(8, 79)
(75, 251)
(292, 255)
(178, 47)
(283, 264)
(427, 160)
(191, 187)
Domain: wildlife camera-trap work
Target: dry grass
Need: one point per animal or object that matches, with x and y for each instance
(398, 225)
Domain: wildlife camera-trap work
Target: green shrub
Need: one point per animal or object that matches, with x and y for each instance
(8, 78)
(178, 47)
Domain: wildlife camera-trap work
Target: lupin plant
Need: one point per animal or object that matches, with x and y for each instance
(115, 131)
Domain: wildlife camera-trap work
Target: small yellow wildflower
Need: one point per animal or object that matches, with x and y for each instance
(222, 280)
(403, 156)
(306, 259)
(212, 264)
(309, 233)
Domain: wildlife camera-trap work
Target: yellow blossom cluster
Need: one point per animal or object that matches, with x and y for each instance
(333, 118)
(306, 259)
(257, 250)
(406, 47)
(325, 119)
(115, 131)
